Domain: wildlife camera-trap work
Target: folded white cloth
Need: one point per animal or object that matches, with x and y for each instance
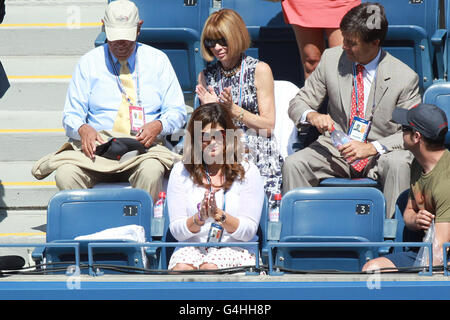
(130, 232)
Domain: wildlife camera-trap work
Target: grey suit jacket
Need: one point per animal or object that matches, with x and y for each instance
(396, 86)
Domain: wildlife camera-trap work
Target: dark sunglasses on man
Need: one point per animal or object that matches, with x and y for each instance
(211, 43)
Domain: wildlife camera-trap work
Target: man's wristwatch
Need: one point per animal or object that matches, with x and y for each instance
(223, 218)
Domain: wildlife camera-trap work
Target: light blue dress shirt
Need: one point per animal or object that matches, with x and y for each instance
(94, 94)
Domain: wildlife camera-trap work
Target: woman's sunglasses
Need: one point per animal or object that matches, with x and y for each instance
(210, 43)
(207, 136)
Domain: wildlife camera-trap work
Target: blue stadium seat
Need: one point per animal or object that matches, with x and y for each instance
(166, 253)
(263, 230)
(273, 41)
(445, 34)
(439, 95)
(73, 213)
(175, 28)
(330, 215)
(414, 36)
(347, 182)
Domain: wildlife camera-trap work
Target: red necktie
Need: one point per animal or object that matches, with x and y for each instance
(358, 110)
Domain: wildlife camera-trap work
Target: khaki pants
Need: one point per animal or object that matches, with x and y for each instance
(148, 175)
(307, 167)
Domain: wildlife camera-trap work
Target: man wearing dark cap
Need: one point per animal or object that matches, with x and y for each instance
(424, 128)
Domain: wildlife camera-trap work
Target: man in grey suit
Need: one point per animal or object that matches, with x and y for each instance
(361, 81)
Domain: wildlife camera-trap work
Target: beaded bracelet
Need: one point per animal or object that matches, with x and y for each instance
(241, 115)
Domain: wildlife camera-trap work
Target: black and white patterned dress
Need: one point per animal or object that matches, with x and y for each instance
(262, 151)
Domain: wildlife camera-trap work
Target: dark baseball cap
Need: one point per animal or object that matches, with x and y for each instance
(115, 148)
(425, 118)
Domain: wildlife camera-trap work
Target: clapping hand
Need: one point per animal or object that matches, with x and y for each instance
(206, 96)
(226, 97)
(208, 205)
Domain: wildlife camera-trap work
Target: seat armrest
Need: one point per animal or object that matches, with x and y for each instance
(385, 250)
(438, 38)
(38, 254)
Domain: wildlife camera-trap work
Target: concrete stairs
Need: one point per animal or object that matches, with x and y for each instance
(42, 40)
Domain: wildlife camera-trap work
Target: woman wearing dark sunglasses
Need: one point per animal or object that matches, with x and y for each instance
(245, 85)
(212, 187)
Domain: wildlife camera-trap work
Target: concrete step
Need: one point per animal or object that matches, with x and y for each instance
(22, 226)
(16, 173)
(35, 94)
(22, 223)
(23, 121)
(57, 11)
(29, 146)
(50, 28)
(19, 189)
(47, 41)
(26, 197)
(45, 67)
(37, 82)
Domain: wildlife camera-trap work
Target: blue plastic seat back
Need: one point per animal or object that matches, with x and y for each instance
(411, 45)
(330, 215)
(409, 35)
(73, 213)
(271, 38)
(439, 95)
(175, 28)
(261, 233)
(347, 182)
(412, 27)
(333, 212)
(262, 229)
(424, 14)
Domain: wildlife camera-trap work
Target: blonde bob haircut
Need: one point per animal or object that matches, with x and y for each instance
(227, 24)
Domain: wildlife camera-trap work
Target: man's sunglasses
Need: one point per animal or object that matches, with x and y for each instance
(207, 136)
(210, 43)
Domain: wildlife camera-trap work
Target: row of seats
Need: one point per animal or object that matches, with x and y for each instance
(418, 36)
(307, 216)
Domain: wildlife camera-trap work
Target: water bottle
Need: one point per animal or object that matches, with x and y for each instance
(158, 208)
(274, 225)
(339, 138)
(274, 214)
(157, 226)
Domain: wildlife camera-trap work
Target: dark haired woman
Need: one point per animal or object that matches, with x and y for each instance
(210, 186)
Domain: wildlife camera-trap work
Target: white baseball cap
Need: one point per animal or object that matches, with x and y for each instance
(121, 20)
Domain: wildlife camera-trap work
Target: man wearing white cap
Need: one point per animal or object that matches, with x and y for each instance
(126, 88)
